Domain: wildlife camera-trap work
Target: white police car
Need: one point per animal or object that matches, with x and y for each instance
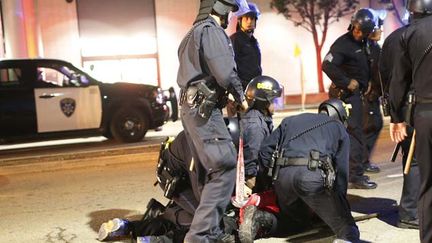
(51, 98)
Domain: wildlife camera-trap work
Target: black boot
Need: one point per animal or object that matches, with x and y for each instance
(154, 209)
(255, 223)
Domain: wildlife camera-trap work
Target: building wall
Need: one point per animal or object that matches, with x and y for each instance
(59, 30)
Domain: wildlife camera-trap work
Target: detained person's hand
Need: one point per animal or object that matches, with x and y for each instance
(398, 132)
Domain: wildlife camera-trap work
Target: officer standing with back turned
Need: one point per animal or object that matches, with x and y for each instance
(206, 73)
(412, 71)
(346, 64)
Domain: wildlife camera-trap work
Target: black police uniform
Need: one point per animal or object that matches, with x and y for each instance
(372, 119)
(411, 183)
(206, 53)
(297, 136)
(256, 127)
(412, 69)
(346, 60)
(247, 56)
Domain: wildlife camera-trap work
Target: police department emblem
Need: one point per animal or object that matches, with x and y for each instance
(67, 105)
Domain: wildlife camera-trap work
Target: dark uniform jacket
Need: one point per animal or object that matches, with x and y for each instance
(346, 60)
(247, 56)
(389, 51)
(410, 69)
(209, 39)
(256, 127)
(374, 56)
(331, 139)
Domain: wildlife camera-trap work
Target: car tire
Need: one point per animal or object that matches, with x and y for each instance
(129, 125)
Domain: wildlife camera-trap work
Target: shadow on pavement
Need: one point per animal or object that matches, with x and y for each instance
(385, 208)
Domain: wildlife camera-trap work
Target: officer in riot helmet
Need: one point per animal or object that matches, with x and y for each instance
(247, 53)
(257, 122)
(205, 75)
(346, 64)
(306, 157)
(246, 48)
(412, 77)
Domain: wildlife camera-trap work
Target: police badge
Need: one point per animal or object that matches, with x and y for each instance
(67, 105)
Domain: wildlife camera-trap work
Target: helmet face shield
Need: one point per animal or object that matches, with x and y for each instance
(261, 91)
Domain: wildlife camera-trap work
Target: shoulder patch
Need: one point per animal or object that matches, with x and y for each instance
(328, 57)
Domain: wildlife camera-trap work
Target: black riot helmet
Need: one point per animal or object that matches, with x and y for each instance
(220, 8)
(335, 109)
(261, 91)
(233, 127)
(364, 19)
(422, 7)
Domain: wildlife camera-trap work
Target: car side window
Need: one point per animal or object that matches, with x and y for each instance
(49, 77)
(10, 77)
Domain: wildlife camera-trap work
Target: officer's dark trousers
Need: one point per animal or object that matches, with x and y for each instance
(215, 164)
(331, 206)
(357, 141)
(411, 184)
(423, 126)
(373, 126)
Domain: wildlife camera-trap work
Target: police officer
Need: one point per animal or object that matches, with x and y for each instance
(411, 69)
(247, 52)
(408, 217)
(206, 73)
(257, 122)
(307, 157)
(372, 119)
(346, 64)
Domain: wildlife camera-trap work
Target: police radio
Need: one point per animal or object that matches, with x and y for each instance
(385, 104)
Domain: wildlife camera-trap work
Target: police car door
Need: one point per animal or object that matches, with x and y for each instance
(63, 103)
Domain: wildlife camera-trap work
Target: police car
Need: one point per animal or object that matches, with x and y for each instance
(49, 98)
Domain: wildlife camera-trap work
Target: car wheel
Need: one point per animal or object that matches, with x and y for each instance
(129, 125)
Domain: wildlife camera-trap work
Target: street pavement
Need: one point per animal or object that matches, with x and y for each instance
(377, 207)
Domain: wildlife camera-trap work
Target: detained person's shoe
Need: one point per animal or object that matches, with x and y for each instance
(408, 224)
(255, 222)
(371, 168)
(114, 229)
(154, 209)
(362, 183)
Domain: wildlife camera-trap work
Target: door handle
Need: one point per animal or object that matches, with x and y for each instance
(46, 96)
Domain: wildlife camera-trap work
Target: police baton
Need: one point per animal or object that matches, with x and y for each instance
(410, 154)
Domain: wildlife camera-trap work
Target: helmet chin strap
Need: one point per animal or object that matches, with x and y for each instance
(224, 21)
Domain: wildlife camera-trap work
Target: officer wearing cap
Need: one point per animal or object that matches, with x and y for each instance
(206, 73)
(246, 49)
(307, 158)
(408, 217)
(412, 71)
(346, 64)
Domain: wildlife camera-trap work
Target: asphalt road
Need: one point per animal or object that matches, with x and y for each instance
(52, 195)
